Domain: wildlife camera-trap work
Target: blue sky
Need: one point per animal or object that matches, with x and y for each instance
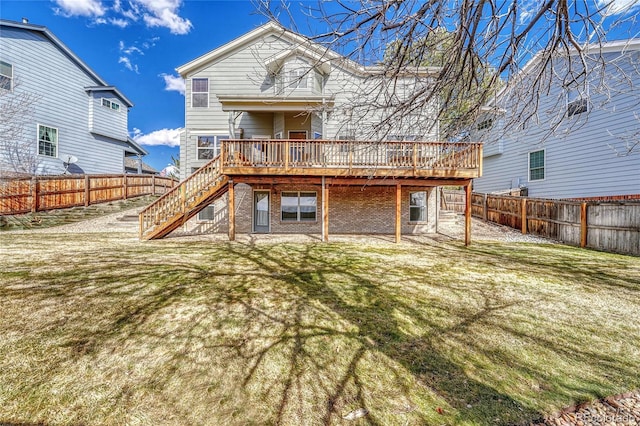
(137, 44)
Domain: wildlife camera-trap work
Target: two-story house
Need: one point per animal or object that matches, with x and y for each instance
(71, 120)
(285, 136)
(577, 137)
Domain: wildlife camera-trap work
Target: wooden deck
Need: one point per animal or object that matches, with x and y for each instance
(351, 158)
(314, 161)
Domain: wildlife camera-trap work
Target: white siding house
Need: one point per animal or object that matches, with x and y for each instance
(72, 112)
(575, 143)
(272, 84)
(275, 84)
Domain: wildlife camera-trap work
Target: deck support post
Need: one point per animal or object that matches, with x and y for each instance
(467, 214)
(325, 211)
(232, 212)
(398, 213)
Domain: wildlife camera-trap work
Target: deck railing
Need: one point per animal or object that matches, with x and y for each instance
(180, 198)
(289, 154)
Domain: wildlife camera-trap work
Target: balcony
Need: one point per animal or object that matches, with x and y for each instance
(351, 158)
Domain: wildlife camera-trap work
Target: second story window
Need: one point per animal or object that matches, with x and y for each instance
(110, 104)
(577, 102)
(200, 93)
(298, 79)
(486, 124)
(6, 76)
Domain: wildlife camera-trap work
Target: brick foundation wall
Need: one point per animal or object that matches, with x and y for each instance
(352, 210)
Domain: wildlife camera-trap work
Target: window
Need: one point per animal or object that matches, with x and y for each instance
(418, 206)
(298, 206)
(206, 214)
(536, 165)
(6, 76)
(486, 124)
(577, 102)
(298, 79)
(209, 146)
(47, 141)
(110, 104)
(200, 93)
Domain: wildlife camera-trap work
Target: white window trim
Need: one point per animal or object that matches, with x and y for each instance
(207, 92)
(38, 140)
(586, 98)
(111, 104)
(216, 135)
(299, 220)
(10, 77)
(425, 207)
(199, 218)
(544, 156)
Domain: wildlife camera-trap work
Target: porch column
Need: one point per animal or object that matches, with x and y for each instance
(398, 212)
(325, 211)
(232, 212)
(467, 214)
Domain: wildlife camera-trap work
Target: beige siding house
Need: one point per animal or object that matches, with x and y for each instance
(275, 123)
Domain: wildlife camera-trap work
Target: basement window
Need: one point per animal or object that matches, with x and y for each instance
(418, 206)
(298, 206)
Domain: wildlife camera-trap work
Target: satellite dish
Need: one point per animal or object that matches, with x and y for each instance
(67, 160)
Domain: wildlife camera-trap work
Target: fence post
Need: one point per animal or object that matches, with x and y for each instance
(583, 224)
(34, 194)
(124, 186)
(524, 215)
(87, 191)
(153, 184)
(485, 207)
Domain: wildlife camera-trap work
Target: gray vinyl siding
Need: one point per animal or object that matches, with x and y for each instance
(580, 156)
(40, 67)
(106, 121)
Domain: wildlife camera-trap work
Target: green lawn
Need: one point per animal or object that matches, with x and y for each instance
(103, 329)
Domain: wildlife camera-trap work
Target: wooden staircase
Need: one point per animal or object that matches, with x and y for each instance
(183, 202)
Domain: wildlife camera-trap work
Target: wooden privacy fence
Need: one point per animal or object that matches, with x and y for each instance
(603, 225)
(24, 195)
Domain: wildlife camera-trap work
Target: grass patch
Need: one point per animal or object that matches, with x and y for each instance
(58, 217)
(115, 331)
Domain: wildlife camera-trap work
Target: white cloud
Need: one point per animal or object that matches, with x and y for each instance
(89, 8)
(118, 22)
(127, 64)
(617, 7)
(173, 83)
(154, 13)
(168, 137)
(170, 20)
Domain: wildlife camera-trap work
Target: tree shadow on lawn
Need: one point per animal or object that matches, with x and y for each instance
(457, 397)
(307, 333)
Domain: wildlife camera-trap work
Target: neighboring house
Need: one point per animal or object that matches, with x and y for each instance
(73, 114)
(284, 136)
(575, 143)
(135, 165)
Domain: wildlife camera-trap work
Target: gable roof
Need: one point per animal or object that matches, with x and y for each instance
(301, 46)
(44, 31)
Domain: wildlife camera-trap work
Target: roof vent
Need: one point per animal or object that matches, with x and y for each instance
(25, 20)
